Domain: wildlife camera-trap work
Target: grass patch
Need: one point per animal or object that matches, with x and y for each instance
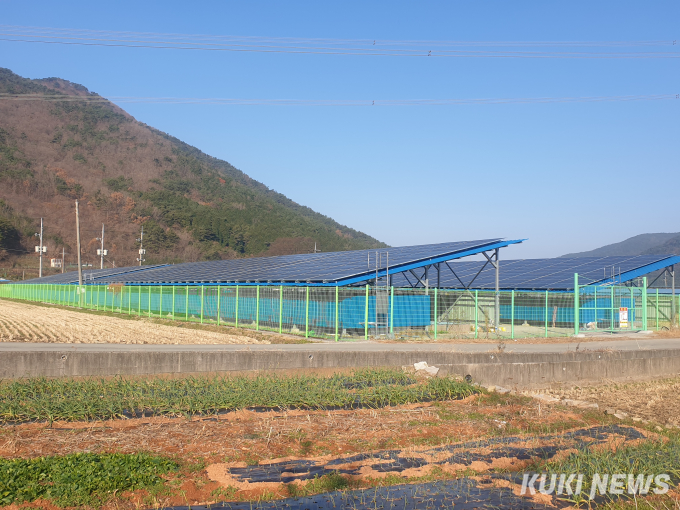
(650, 457)
(79, 479)
(42, 399)
(327, 483)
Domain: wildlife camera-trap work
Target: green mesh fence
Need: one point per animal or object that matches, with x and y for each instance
(359, 313)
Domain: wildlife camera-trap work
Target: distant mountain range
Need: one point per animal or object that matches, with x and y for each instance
(643, 244)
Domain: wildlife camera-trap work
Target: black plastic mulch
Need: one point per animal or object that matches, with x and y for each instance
(461, 453)
(463, 494)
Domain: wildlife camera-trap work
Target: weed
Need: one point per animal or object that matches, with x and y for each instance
(79, 479)
(327, 483)
(226, 493)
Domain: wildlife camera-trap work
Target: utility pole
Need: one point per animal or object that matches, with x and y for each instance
(142, 251)
(102, 251)
(80, 266)
(40, 249)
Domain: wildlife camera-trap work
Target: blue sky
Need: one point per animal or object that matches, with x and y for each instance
(567, 176)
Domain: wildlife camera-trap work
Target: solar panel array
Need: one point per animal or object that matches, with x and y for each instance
(538, 274)
(89, 275)
(305, 268)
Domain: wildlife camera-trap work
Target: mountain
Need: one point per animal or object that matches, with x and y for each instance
(643, 244)
(60, 142)
(672, 246)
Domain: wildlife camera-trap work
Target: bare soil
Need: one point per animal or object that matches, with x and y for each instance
(24, 322)
(657, 401)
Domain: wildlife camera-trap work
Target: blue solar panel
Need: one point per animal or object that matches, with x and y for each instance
(331, 268)
(540, 274)
(89, 275)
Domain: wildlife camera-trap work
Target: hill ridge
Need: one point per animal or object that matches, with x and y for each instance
(127, 174)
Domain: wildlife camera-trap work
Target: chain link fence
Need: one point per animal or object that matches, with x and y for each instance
(360, 313)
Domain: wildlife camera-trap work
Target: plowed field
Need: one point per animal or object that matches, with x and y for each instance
(22, 322)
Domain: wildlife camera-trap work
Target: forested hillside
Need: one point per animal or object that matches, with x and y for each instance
(129, 175)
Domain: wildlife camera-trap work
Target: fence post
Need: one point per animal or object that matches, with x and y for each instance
(476, 312)
(280, 309)
(337, 319)
(139, 301)
(392, 310)
(257, 308)
(307, 314)
(366, 316)
(644, 303)
(160, 306)
(546, 314)
(219, 303)
(512, 314)
(173, 302)
(657, 310)
(130, 300)
(576, 305)
(149, 302)
(435, 313)
(611, 322)
(186, 305)
(237, 306)
(202, 301)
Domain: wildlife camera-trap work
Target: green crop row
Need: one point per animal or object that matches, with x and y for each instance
(43, 399)
(652, 457)
(79, 479)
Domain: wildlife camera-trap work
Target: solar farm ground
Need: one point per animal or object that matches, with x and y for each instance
(465, 453)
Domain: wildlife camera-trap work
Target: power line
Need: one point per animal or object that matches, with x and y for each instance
(331, 102)
(319, 46)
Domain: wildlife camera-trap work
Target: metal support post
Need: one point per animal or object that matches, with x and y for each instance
(307, 314)
(366, 316)
(546, 314)
(130, 300)
(497, 317)
(219, 303)
(202, 300)
(280, 309)
(435, 305)
(149, 302)
(237, 306)
(476, 312)
(674, 318)
(611, 323)
(657, 309)
(160, 306)
(257, 308)
(337, 319)
(173, 302)
(139, 302)
(392, 310)
(576, 305)
(512, 314)
(644, 303)
(186, 304)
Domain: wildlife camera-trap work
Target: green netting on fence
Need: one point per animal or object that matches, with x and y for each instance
(355, 313)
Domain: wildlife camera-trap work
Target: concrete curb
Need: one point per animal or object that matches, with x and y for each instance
(515, 370)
